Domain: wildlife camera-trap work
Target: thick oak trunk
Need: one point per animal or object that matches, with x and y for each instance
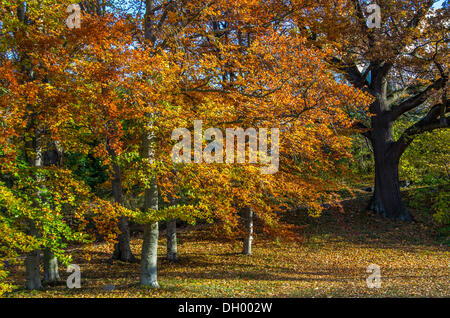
(386, 200)
(248, 239)
(171, 235)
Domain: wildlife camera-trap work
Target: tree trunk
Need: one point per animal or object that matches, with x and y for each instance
(171, 235)
(122, 249)
(149, 256)
(32, 270)
(52, 157)
(51, 274)
(32, 259)
(248, 212)
(386, 200)
(149, 261)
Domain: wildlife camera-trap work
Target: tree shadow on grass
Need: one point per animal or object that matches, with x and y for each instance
(354, 224)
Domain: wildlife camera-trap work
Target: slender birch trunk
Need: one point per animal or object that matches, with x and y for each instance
(248, 239)
(149, 258)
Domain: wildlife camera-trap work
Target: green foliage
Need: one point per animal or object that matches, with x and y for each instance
(363, 163)
(426, 163)
(87, 168)
(437, 199)
(427, 159)
(37, 212)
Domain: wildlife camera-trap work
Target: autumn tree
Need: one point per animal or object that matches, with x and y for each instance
(110, 134)
(125, 84)
(28, 33)
(248, 66)
(403, 64)
(44, 104)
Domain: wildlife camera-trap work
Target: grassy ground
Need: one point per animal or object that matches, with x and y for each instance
(331, 262)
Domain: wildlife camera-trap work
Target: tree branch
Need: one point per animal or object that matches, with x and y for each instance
(352, 74)
(413, 24)
(399, 94)
(416, 100)
(428, 123)
(362, 129)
